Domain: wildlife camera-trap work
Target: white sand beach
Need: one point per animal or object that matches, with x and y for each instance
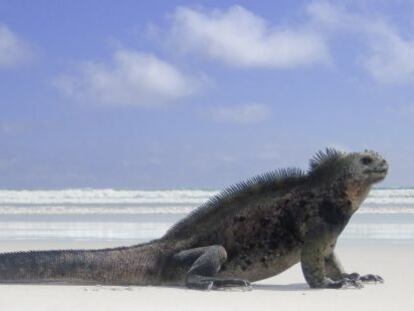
(287, 291)
(379, 239)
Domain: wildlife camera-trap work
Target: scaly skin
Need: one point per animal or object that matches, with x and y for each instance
(251, 231)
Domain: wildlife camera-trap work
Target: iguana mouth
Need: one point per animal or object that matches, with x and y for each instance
(377, 171)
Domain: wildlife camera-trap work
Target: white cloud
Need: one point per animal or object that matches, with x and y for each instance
(133, 78)
(13, 51)
(238, 37)
(389, 57)
(392, 58)
(244, 114)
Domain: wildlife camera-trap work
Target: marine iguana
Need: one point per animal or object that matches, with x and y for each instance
(250, 231)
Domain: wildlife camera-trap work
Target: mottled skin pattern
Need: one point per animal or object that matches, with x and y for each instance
(249, 232)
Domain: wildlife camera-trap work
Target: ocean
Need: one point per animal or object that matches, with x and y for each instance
(106, 215)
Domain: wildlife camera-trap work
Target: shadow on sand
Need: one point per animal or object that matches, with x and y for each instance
(288, 287)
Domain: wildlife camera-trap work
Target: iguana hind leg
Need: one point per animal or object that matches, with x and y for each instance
(205, 263)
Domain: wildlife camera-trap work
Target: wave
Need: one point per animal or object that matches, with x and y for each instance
(110, 201)
(103, 196)
(151, 230)
(379, 231)
(85, 209)
(81, 230)
(107, 214)
(391, 196)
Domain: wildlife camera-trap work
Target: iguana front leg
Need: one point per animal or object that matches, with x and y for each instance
(335, 271)
(204, 263)
(333, 267)
(313, 261)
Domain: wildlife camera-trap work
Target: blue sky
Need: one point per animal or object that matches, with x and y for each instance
(181, 94)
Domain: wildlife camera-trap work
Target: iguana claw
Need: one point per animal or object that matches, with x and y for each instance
(368, 278)
(343, 283)
(371, 278)
(350, 283)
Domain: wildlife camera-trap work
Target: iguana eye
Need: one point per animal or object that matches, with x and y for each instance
(366, 160)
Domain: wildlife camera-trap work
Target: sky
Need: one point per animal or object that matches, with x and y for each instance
(199, 94)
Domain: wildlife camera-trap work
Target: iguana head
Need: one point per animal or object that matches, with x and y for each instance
(368, 166)
(363, 168)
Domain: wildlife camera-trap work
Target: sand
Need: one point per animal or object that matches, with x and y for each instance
(287, 291)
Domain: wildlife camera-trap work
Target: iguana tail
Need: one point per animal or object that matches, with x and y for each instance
(140, 265)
